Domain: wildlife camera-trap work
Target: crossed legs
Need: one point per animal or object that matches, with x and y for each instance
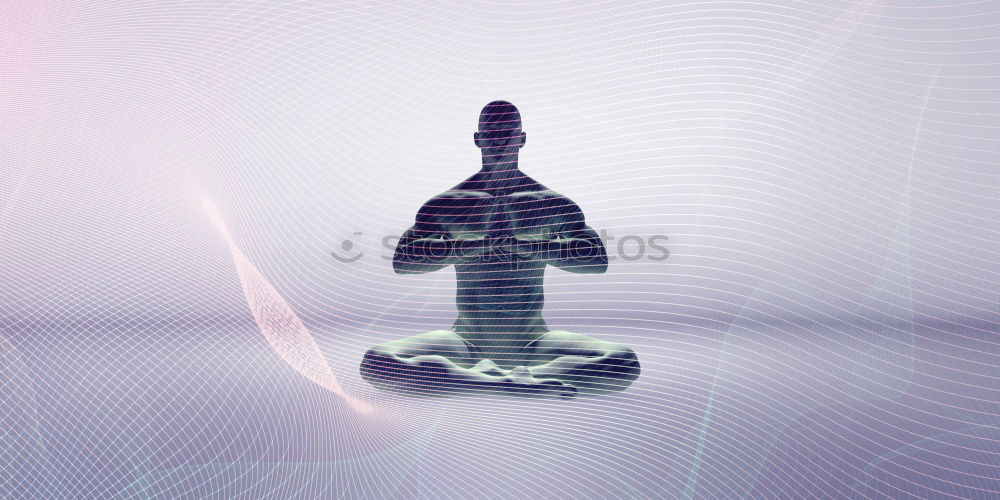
(442, 362)
(590, 365)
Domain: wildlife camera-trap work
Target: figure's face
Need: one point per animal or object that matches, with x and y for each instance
(500, 138)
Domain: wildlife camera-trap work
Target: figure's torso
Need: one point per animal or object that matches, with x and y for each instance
(500, 291)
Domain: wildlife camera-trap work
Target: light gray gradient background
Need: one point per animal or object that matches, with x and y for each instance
(826, 172)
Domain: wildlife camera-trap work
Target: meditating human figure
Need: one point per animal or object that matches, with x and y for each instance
(500, 229)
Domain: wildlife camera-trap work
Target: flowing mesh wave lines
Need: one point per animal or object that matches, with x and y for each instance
(824, 327)
(278, 322)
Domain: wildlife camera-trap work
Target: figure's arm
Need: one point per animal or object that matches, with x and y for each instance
(574, 246)
(568, 243)
(428, 246)
(578, 251)
(420, 251)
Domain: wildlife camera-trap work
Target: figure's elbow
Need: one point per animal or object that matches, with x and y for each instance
(593, 266)
(402, 263)
(599, 264)
(402, 267)
(405, 267)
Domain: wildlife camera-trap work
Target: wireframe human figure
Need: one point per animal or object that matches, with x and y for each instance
(500, 229)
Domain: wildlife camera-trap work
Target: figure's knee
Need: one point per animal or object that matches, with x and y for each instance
(593, 366)
(622, 363)
(614, 371)
(393, 363)
(385, 367)
(563, 343)
(379, 365)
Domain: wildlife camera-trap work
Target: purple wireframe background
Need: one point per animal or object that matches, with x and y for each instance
(826, 173)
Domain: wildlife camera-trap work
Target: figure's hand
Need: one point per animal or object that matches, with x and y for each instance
(468, 247)
(502, 244)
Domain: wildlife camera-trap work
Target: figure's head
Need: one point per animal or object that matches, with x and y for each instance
(500, 129)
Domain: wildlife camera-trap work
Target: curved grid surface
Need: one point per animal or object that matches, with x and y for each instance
(823, 175)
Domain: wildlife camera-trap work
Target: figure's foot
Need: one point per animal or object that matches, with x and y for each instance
(519, 381)
(488, 367)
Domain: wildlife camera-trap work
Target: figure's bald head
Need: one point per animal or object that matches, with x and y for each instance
(500, 128)
(499, 115)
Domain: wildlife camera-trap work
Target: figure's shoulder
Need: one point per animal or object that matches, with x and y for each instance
(452, 200)
(547, 197)
(549, 203)
(477, 183)
(459, 194)
(537, 194)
